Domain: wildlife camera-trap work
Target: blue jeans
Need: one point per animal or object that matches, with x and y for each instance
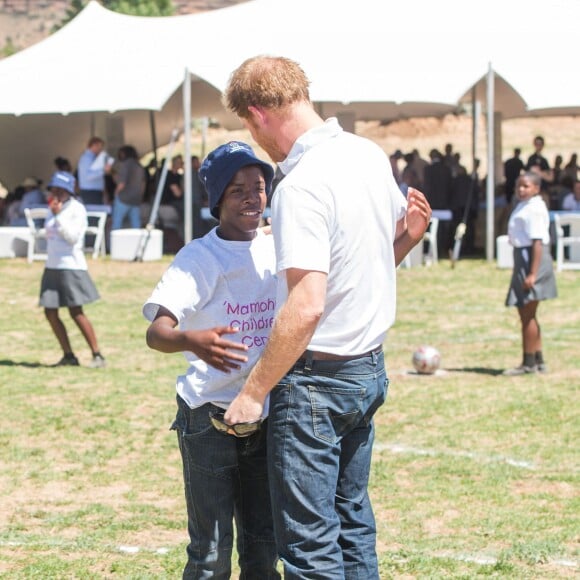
(120, 210)
(320, 437)
(225, 479)
(91, 196)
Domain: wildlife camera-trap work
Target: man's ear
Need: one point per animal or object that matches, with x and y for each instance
(257, 114)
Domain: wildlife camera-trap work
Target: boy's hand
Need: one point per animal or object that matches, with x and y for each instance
(211, 348)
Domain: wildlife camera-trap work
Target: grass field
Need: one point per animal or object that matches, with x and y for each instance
(474, 474)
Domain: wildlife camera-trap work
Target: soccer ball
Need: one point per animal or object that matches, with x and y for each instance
(426, 360)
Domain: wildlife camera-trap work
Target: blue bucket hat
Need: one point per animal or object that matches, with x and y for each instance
(219, 167)
(64, 180)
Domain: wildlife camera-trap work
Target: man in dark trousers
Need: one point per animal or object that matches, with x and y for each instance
(511, 170)
(437, 182)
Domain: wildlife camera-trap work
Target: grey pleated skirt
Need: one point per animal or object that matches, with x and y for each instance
(61, 288)
(545, 286)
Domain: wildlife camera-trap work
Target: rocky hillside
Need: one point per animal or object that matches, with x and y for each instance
(26, 22)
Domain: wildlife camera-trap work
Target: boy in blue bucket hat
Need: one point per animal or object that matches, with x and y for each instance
(221, 284)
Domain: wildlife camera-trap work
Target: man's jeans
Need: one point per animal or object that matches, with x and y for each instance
(120, 210)
(320, 437)
(225, 478)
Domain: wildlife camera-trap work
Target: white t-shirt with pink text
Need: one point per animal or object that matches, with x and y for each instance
(215, 282)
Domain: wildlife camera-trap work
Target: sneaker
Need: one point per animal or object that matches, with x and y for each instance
(98, 362)
(521, 370)
(542, 367)
(68, 361)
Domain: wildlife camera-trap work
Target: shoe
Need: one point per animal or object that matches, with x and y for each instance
(98, 362)
(542, 367)
(521, 370)
(68, 361)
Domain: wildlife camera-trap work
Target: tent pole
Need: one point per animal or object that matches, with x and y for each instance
(159, 192)
(204, 127)
(474, 126)
(490, 181)
(187, 194)
(153, 135)
(161, 182)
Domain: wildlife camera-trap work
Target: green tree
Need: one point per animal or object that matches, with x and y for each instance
(8, 49)
(141, 7)
(133, 7)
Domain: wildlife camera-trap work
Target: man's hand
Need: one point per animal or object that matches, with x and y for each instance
(418, 214)
(412, 227)
(244, 409)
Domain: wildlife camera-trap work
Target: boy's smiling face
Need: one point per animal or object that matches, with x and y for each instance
(242, 204)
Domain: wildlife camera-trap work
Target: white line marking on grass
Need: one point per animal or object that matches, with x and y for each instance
(401, 448)
(482, 559)
(476, 558)
(136, 549)
(57, 544)
(437, 373)
(485, 559)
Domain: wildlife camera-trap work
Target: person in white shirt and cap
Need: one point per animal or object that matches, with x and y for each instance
(66, 281)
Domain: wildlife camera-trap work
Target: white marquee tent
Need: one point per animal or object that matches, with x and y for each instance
(104, 72)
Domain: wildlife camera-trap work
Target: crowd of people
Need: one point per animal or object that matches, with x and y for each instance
(123, 184)
(558, 181)
(448, 185)
(129, 188)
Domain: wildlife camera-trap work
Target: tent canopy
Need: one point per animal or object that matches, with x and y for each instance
(103, 72)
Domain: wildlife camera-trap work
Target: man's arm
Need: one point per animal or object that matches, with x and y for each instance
(412, 227)
(293, 328)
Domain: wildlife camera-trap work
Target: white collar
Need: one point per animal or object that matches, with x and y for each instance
(308, 140)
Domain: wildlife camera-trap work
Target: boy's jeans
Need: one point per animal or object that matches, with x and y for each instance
(225, 478)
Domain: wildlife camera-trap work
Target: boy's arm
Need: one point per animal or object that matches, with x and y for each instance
(208, 344)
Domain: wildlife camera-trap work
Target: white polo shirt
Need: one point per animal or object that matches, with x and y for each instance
(336, 212)
(529, 221)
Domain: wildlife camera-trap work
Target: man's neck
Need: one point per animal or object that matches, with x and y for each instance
(301, 118)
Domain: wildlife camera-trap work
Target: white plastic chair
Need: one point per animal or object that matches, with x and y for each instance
(96, 229)
(35, 220)
(570, 241)
(419, 254)
(431, 254)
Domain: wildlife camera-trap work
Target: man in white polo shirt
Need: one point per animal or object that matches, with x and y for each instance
(341, 226)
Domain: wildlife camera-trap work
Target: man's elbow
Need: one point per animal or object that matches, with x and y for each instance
(311, 314)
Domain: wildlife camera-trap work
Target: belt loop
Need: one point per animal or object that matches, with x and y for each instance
(309, 359)
(375, 356)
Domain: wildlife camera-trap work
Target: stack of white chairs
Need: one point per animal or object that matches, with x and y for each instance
(35, 221)
(96, 233)
(567, 238)
(425, 252)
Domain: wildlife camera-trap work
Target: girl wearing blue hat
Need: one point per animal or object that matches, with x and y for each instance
(218, 285)
(66, 280)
